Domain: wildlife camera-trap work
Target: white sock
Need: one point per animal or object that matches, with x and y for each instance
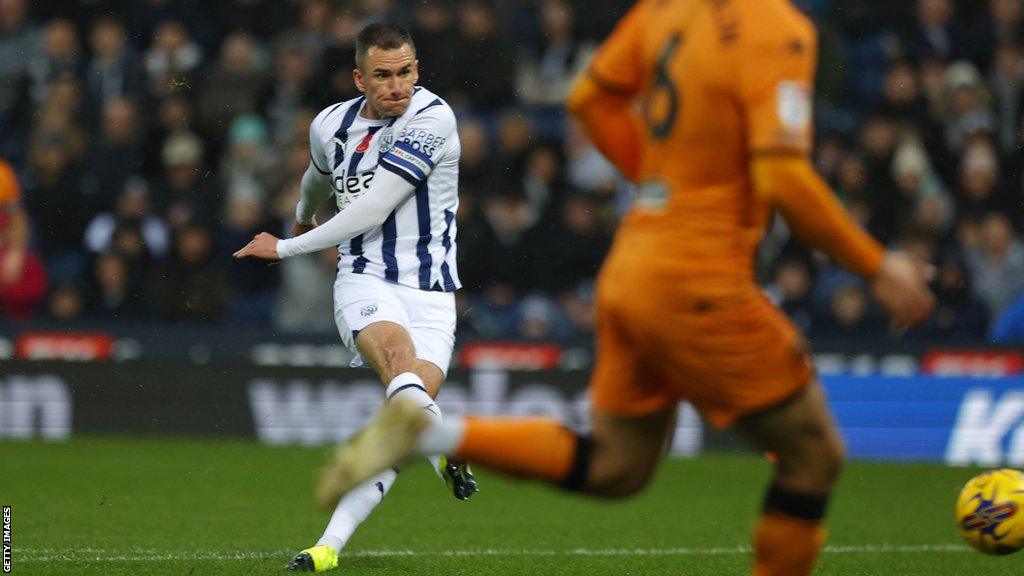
(409, 387)
(354, 508)
(442, 437)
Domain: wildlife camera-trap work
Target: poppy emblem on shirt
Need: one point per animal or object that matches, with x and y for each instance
(364, 144)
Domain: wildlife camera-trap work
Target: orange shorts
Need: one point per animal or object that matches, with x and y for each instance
(729, 354)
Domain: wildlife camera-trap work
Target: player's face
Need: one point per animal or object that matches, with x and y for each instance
(387, 78)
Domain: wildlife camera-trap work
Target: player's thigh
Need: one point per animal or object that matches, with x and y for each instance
(802, 434)
(627, 450)
(361, 300)
(432, 321)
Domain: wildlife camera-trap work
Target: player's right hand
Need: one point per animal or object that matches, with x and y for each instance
(300, 229)
(901, 287)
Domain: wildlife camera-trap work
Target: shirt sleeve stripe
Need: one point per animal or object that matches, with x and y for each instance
(400, 172)
(408, 166)
(406, 147)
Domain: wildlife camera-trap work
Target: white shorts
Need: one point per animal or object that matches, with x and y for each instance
(428, 317)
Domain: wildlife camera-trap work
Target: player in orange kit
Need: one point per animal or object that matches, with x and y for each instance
(706, 106)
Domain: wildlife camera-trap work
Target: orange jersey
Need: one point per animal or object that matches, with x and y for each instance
(10, 192)
(717, 81)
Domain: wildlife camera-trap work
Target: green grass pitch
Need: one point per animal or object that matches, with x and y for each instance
(112, 507)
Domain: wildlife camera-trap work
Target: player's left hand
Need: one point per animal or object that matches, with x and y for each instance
(263, 246)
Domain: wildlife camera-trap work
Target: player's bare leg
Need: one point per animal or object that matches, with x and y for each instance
(388, 349)
(809, 456)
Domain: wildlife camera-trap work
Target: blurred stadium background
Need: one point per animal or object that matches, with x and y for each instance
(149, 139)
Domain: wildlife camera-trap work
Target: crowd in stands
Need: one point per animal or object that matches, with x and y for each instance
(149, 139)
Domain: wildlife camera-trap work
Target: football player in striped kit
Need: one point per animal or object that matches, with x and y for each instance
(390, 158)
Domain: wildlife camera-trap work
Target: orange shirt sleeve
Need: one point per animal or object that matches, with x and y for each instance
(776, 88)
(617, 65)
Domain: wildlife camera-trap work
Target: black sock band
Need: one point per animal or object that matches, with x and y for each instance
(796, 504)
(400, 388)
(580, 463)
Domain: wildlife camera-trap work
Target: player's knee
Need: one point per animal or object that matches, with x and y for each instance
(398, 358)
(618, 475)
(620, 483)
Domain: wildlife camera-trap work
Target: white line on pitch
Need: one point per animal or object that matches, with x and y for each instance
(100, 555)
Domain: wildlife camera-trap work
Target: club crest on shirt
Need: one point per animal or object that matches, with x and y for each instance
(368, 310)
(387, 140)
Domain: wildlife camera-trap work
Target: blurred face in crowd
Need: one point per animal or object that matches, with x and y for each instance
(849, 305)
(934, 12)
(387, 78)
(475, 21)
(996, 235)
(473, 136)
(107, 38)
(879, 136)
(979, 171)
(119, 120)
(111, 272)
(239, 53)
(315, 13)
(901, 84)
(12, 13)
(1005, 11)
(170, 37)
(61, 40)
(556, 19)
(194, 244)
(793, 279)
(293, 66)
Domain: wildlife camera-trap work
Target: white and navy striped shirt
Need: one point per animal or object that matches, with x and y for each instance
(415, 246)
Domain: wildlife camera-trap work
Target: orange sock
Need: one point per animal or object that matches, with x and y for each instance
(525, 447)
(786, 546)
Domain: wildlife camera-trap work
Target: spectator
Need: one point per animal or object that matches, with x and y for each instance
(19, 39)
(172, 60)
(192, 285)
(57, 207)
(133, 211)
(436, 44)
(791, 289)
(1008, 327)
(311, 34)
(304, 292)
(252, 283)
(546, 73)
(114, 70)
(66, 303)
(59, 55)
(291, 90)
(22, 278)
(247, 168)
(116, 293)
(997, 265)
(958, 315)
(186, 193)
(116, 157)
(484, 61)
(233, 86)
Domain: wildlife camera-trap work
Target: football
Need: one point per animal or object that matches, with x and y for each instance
(990, 511)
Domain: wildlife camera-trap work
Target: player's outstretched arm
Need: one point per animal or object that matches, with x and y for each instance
(315, 190)
(791, 185)
(366, 212)
(610, 121)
